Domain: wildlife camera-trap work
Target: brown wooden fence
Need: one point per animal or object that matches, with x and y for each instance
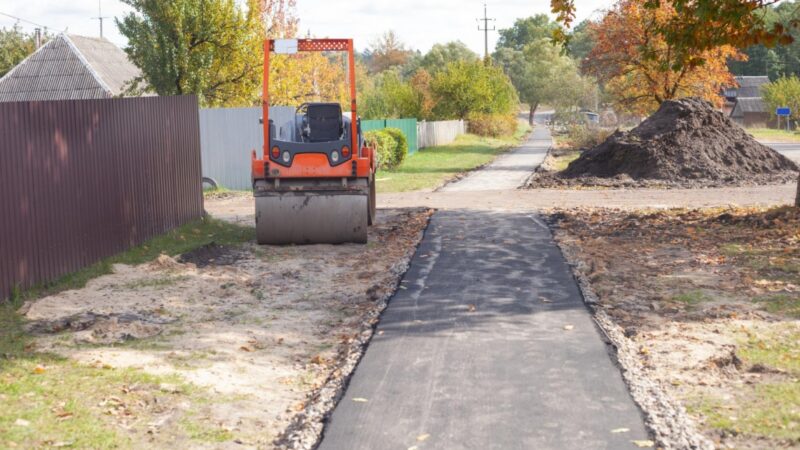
(81, 180)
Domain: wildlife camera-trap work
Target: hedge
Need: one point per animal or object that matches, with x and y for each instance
(390, 145)
(493, 125)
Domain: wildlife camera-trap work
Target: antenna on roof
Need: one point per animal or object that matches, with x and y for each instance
(100, 16)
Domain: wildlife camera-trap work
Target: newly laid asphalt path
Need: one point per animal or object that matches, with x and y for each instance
(487, 345)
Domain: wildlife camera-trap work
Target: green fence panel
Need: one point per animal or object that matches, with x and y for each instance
(407, 126)
(372, 125)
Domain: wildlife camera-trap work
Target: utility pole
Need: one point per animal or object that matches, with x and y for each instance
(486, 31)
(100, 16)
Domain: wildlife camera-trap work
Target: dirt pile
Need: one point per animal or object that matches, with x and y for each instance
(685, 143)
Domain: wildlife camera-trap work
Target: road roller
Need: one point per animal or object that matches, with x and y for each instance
(314, 182)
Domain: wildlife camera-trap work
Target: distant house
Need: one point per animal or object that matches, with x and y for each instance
(70, 67)
(744, 103)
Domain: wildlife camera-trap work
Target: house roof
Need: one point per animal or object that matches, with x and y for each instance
(750, 86)
(748, 105)
(69, 67)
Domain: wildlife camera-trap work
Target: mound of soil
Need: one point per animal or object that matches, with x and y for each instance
(685, 143)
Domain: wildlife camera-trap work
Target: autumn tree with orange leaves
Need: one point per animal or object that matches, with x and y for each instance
(640, 68)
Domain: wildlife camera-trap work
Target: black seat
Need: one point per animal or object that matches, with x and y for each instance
(324, 122)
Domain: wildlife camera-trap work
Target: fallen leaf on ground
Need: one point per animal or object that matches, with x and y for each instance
(39, 369)
(620, 430)
(360, 400)
(22, 423)
(545, 300)
(569, 327)
(423, 436)
(471, 308)
(644, 443)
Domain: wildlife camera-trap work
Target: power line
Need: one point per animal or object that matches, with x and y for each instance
(20, 19)
(486, 31)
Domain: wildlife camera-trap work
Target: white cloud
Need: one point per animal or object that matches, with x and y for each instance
(418, 23)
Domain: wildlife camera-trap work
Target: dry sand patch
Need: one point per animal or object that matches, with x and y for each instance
(260, 328)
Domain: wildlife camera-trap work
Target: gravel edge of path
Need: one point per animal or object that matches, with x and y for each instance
(306, 430)
(665, 417)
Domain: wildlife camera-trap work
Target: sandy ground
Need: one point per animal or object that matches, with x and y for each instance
(259, 328)
(240, 208)
(709, 303)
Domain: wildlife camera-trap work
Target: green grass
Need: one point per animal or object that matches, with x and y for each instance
(562, 161)
(773, 135)
(180, 240)
(47, 399)
(770, 409)
(430, 167)
(692, 298)
(787, 305)
(778, 349)
(205, 433)
(767, 410)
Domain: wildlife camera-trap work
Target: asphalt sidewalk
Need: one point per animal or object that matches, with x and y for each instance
(510, 170)
(487, 344)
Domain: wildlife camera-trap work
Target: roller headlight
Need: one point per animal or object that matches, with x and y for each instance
(335, 156)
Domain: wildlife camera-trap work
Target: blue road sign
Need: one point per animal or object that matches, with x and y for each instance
(783, 111)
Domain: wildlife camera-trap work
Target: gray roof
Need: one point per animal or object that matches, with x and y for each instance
(750, 86)
(69, 67)
(748, 105)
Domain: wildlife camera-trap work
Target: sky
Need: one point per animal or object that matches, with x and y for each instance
(418, 23)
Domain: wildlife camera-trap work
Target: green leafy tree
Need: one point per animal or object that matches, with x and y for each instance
(390, 97)
(581, 41)
(537, 67)
(465, 87)
(15, 45)
(211, 48)
(539, 72)
(527, 30)
(442, 54)
(783, 92)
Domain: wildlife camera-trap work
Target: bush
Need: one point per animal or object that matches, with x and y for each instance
(385, 147)
(582, 136)
(493, 125)
(401, 149)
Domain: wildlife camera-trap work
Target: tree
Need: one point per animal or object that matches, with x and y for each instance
(527, 30)
(390, 97)
(442, 54)
(15, 45)
(466, 87)
(421, 84)
(783, 92)
(581, 41)
(640, 68)
(536, 65)
(538, 71)
(388, 51)
(699, 25)
(211, 48)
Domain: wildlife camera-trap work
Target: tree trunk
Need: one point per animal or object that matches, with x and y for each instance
(532, 112)
(797, 196)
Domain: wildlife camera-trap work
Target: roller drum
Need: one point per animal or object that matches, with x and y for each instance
(311, 217)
